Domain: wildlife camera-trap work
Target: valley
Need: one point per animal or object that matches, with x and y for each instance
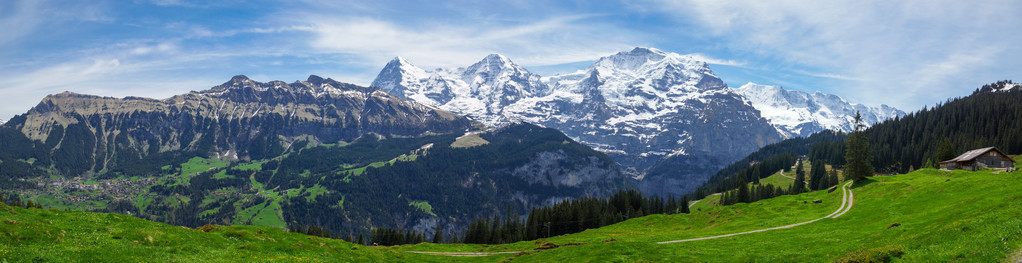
(325, 160)
(922, 215)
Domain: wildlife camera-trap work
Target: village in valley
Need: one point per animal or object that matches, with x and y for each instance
(78, 192)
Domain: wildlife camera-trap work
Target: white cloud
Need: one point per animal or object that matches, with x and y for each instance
(826, 75)
(556, 40)
(717, 61)
(936, 46)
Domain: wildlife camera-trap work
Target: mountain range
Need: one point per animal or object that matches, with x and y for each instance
(640, 107)
(416, 150)
(315, 152)
(799, 114)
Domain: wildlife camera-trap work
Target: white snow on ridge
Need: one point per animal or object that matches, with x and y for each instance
(642, 97)
(797, 113)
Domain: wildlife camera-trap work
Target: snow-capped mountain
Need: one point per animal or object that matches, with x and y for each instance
(639, 106)
(1000, 86)
(798, 114)
(481, 90)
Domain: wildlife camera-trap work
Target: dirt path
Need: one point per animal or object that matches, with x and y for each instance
(690, 205)
(847, 199)
(785, 176)
(464, 254)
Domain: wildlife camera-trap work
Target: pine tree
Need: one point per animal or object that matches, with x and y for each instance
(945, 150)
(833, 179)
(817, 176)
(438, 237)
(800, 183)
(857, 157)
(743, 192)
(683, 208)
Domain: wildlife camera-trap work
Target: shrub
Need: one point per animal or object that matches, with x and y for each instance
(879, 254)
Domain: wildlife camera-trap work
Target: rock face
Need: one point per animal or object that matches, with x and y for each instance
(315, 152)
(799, 114)
(241, 119)
(482, 90)
(638, 106)
(1000, 86)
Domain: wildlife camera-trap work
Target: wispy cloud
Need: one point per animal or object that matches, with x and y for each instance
(826, 75)
(941, 46)
(716, 61)
(555, 40)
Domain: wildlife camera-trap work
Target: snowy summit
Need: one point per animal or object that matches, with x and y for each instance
(799, 114)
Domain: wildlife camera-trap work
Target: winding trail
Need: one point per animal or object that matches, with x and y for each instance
(785, 176)
(847, 199)
(693, 203)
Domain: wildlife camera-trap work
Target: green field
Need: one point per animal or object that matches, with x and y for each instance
(422, 206)
(778, 180)
(925, 216)
(941, 216)
(469, 140)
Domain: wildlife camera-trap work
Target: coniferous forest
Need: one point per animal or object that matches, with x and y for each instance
(988, 117)
(566, 217)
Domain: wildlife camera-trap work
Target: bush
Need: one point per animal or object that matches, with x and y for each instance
(879, 254)
(207, 228)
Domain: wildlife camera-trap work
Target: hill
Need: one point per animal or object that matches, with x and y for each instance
(927, 215)
(309, 153)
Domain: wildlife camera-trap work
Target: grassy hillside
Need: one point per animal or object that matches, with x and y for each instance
(940, 216)
(927, 215)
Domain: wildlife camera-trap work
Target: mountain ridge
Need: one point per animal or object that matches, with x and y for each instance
(799, 114)
(638, 106)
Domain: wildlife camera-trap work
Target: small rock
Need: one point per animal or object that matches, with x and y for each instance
(817, 201)
(805, 202)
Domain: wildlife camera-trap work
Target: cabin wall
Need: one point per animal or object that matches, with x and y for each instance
(993, 160)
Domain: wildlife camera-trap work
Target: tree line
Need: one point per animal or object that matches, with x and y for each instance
(566, 217)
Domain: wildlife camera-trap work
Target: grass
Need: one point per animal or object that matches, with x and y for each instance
(928, 215)
(264, 214)
(422, 206)
(469, 140)
(777, 180)
(31, 235)
(199, 164)
(941, 216)
(314, 191)
(222, 174)
(253, 166)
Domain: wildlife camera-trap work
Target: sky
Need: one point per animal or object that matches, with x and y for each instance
(907, 54)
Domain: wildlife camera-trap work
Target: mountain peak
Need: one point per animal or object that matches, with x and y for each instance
(492, 62)
(398, 60)
(647, 50)
(798, 114)
(240, 79)
(496, 57)
(315, 80)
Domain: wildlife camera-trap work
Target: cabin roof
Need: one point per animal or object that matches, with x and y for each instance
(970, 155)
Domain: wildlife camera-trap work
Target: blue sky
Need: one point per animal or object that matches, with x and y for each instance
(902, 53)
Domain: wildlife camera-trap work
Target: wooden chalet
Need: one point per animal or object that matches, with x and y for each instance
(973, 160)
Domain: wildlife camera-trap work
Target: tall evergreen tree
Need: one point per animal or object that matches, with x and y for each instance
(684, 205)
(817, 176)
(800, 183)
(743, 192)
(438, 237)
(857, 157)
(945, 150)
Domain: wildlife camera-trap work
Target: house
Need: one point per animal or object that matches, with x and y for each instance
(972, 160)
